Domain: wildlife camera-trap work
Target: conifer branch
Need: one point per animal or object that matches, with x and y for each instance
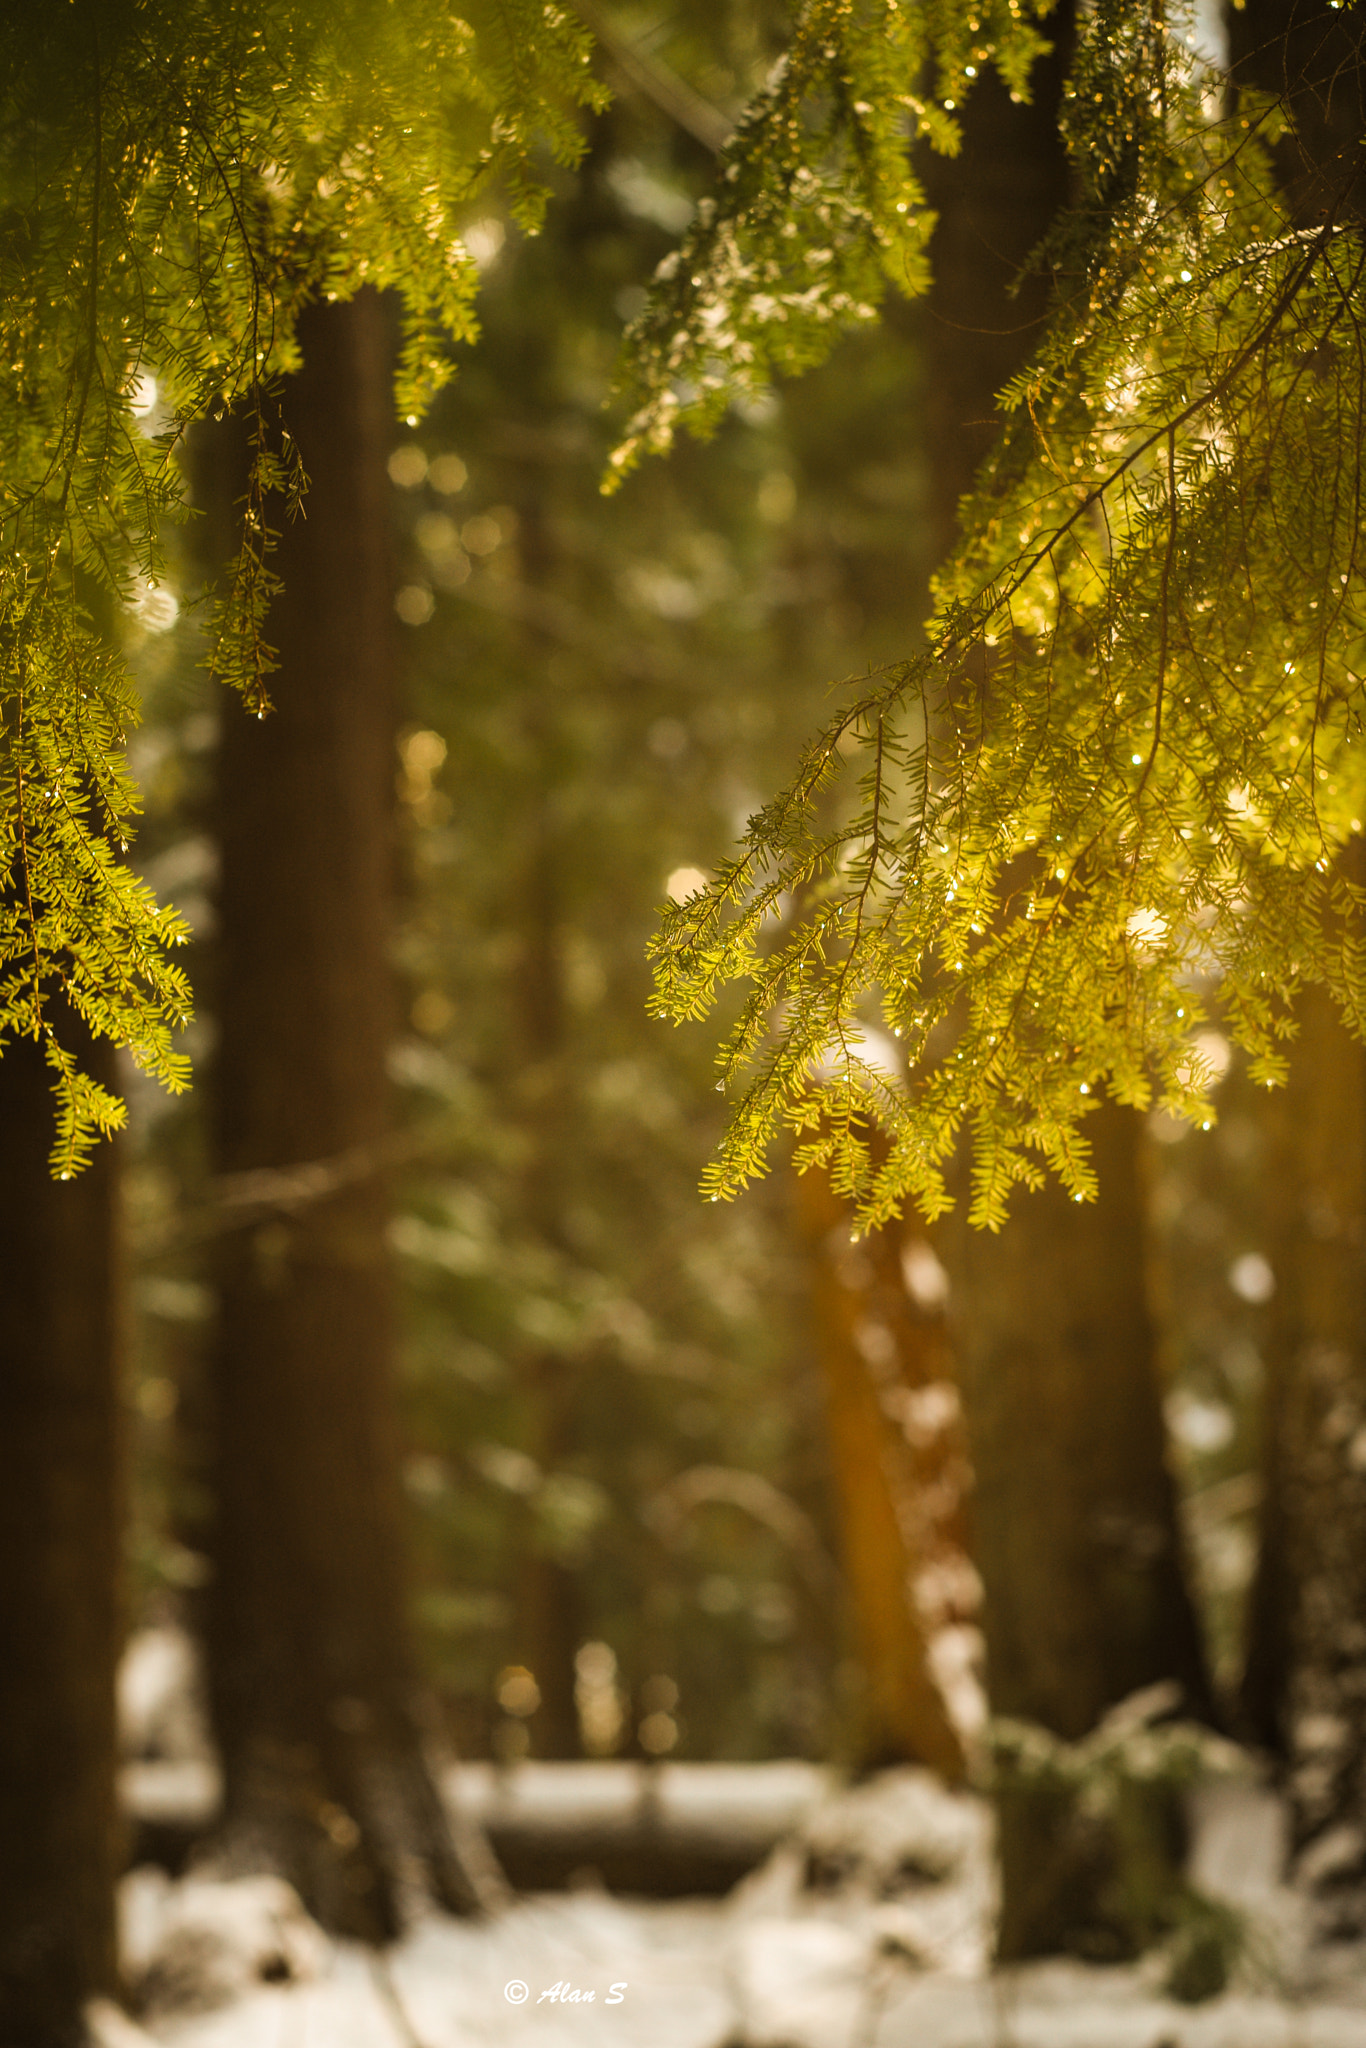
(1137, 808)
(230, 160)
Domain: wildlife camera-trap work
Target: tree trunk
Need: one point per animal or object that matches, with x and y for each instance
(1073, 1511)
(1077, 1540)
(897, 1492)
(548, 1595)
(1309, 52)
(59, 1563)
(1305, 1686)
(995, 201)
(1085, 1601)
(314, 1694)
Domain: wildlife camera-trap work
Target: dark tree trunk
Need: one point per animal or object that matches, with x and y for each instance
(59, 1563)
(548, 1633)
(312, 1681)
(1077, 1538)
(548, 1594)
(1310, 53)
(1305, 1684)
(1085, 1599)
(548, 1601)
(1073, 1512)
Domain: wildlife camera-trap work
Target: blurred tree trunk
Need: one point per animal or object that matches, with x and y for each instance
(1304, 1686)
(311, 1676)
(1309, 52)
(548, 1596)
(1076, 1527)
(897, 1489)
(60, 1540)
(1305, 1681)
(1077, 1540)
(1073, 1512)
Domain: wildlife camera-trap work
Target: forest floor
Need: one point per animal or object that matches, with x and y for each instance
(868, 1927)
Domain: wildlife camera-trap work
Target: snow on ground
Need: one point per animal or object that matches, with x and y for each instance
(867, 1929)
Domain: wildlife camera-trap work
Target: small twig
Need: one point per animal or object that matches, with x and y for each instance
(383, 1975)
(757, 1497)
(236, 1200)
(1164, 619)
(873, 2004)
(658, 81)
(1000, 1987)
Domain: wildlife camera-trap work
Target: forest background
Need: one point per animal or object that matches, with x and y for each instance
(641, 1432)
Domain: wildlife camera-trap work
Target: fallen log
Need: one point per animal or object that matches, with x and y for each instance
(661, 1830)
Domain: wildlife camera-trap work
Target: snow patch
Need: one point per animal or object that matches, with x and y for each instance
(869, 1927)
(206, 1941)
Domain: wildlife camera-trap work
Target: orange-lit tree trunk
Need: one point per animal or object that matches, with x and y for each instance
(1076, 1535)
(312, 1680)
(896, 1495)
(59, 1563)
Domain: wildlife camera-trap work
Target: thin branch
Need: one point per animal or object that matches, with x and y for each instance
(658, 81)
(1164, 621)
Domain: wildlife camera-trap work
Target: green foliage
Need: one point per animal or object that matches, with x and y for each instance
(817, 207)
(1107, 1818)
(604, 1379)
(583, 1336)
(1123, 772)
(176, 181)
